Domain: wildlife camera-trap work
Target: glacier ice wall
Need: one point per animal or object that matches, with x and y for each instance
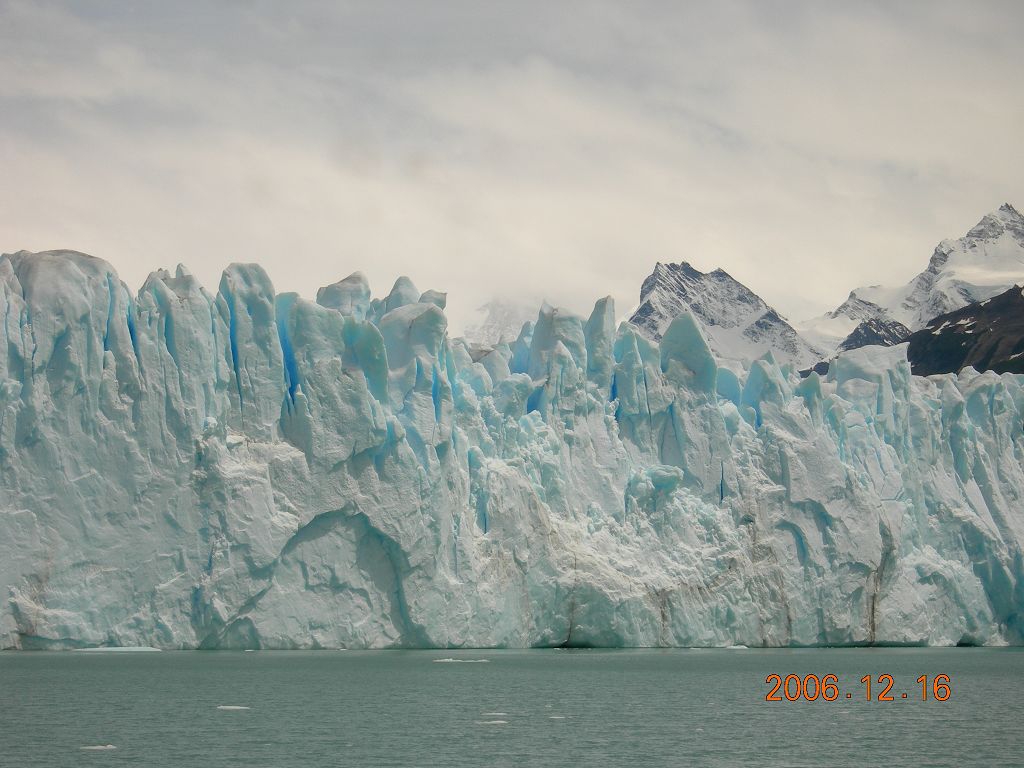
(248, 469)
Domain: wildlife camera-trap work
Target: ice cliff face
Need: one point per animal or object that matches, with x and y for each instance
(247, 469)
(736, 322)
(985, 262)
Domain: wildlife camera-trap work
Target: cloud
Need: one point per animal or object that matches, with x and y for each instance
(547, 151)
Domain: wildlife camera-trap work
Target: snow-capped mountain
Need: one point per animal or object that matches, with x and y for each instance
(985, 262)
(987, 335)
(736, 322)
(500, 320)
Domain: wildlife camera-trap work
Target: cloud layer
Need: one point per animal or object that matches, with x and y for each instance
(518, 149)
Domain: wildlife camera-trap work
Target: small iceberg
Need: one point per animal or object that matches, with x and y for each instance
(119, 649)
(494, 714)
(98, 748)
(556, 717)
(461, 661)
(737, 648)
(232, 708)
(492, 722)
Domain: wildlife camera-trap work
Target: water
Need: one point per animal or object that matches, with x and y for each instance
(534, 708)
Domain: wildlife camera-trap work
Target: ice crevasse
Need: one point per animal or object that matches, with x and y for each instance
(255, 470)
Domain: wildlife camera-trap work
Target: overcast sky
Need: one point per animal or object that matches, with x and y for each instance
(554, 149)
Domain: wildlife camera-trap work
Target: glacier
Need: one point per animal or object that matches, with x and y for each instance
(247, 469)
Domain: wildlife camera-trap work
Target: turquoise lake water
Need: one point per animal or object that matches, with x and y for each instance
(532, 708)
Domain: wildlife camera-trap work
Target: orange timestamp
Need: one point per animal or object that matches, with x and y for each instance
(812, 688)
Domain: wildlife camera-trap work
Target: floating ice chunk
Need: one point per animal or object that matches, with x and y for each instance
(494, 714)
(461, 661)
(556, 717)
(98, 748)
(120, 649)
(492, 722)
(232, 708)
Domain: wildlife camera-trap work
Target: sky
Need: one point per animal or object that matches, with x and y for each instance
(531, 150)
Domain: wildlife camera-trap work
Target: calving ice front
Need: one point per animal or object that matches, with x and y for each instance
(180, 469)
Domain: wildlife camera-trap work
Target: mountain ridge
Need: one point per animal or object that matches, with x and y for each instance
(984, 262)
